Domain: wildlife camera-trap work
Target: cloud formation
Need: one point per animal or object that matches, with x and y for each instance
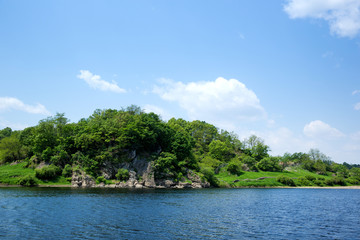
(221, 101)
(357, 106)
(343, 16)
(8, 103)
(319, 129)
(355, 92)
(159, 111)
(95, 82)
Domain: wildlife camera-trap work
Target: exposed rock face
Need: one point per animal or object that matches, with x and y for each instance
(141, 175)
(81, 179)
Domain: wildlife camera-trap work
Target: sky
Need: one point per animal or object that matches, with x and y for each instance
(287, 71)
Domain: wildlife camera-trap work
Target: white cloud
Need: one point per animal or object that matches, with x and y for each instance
(343, 16)
(223, 102)
(321, 130)
(357, 106)
(95, 82)
(355, 92)
(8, 103)
(159, 111)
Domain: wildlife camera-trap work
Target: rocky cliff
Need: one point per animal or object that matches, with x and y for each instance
(141, 175)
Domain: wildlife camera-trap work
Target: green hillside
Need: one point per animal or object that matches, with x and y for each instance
(119, 145)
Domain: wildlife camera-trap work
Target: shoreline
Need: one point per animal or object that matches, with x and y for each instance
(110, 186)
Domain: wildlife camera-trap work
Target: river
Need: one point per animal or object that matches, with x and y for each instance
(65, 213)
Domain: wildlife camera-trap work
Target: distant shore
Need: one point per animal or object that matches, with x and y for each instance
(112, 186)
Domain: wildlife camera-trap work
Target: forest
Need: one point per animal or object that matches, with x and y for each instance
(52, 150)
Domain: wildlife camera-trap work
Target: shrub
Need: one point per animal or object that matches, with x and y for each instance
(339, 181)
(319, 182)
(27, 181)
(270, 164)
(234, 168)
(100, 179)
(209, 175)
(311, 178)
(67, 171)
(286, 180)
(353, 181)
(303, 181)
(122, 174)
(48, 172)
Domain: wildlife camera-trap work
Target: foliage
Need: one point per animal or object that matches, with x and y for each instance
(111, 138)
(67, 171)
(11, 149)
(286, 180)
(100, 179)
(219, 150)
(303, 181)
(270, 164)
(48, 172)
(234, 168)
(209, 176)
(122, 174)
(27, 181)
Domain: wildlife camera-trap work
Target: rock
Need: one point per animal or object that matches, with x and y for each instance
(185, 184)
(196, 185)
(81, 179)
(138, 185)
(169, 183)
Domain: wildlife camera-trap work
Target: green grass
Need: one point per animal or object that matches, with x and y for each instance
(261, 179)
(10, 174)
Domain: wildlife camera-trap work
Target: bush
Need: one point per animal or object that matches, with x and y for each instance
(100, 179)
(319, 182)
(27, 181)
(123, 174)
(286, 180)
(338, 181)
(48, 172)
(67, 171)
(311, 178)
(270, 164)
(209, 175)
(234, 169)
(353, 181)
(303, 181)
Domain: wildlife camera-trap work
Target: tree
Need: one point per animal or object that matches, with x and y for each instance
(219, 150)
(6, 132)
(11, 149)
(256, 147)
(122, 174)
(270, 164)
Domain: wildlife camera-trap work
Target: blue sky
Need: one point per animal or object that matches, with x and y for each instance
(287, 71)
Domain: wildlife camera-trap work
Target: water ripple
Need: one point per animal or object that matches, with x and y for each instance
(41, 213)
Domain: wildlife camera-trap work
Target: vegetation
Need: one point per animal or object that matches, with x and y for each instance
(109, 139)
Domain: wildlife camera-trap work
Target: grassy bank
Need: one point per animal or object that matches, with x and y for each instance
(270, 179)
(11, 174)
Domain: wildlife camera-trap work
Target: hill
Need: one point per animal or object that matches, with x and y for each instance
(131, 148)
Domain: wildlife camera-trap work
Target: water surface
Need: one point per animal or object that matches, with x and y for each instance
(64, 213)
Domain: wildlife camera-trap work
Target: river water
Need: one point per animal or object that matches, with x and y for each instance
(65, 213)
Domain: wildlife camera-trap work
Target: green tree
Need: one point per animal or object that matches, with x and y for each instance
(270, 164)
(256, 147)
(11, 149)
(219, 150)
(122, 174)
(6, 132)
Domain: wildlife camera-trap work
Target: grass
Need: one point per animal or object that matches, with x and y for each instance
(10, 174)
(261, 179)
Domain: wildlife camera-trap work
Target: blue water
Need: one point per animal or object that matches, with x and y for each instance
(63, 213)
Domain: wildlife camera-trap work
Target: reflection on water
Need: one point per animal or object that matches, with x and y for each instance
(64, 213)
